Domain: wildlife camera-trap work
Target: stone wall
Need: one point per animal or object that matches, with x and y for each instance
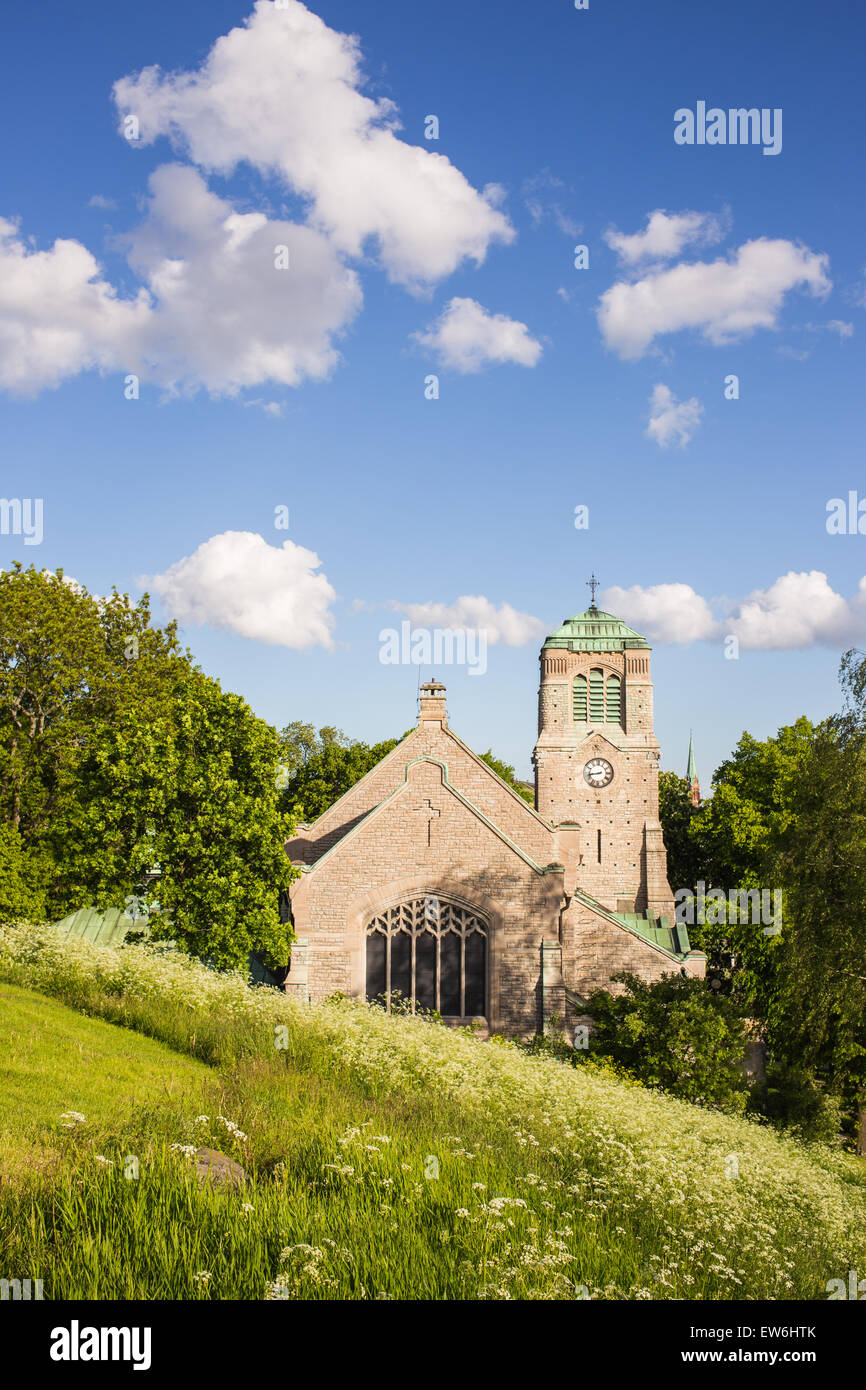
(474, 778)
(389, 859)
(431, 819)
(594, 949)
(620, 855)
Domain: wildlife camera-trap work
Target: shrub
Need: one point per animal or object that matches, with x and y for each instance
(792, 1098)
(674, 1034)
(23, 877)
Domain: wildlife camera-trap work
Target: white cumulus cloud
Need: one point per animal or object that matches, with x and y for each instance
(672, 421)
(665, 236)
(283, 93)
(467, 337)
(725, 300)
(239, 583)
(58, 315)
(663, 612)
(214, 310)
(798, 610)
(224, 315)
(502, 625)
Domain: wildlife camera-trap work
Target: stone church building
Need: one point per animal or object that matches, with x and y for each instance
(433, 877)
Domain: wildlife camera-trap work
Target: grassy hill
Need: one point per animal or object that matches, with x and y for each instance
(53, 1061)
(387, 1158)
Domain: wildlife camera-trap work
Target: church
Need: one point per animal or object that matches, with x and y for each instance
(431, 880)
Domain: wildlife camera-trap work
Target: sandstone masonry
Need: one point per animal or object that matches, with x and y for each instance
(434, 877)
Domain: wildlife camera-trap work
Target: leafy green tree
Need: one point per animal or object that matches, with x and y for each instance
(507, 773)
(818, 1016)
(216, 830)
(71, 669)
(299, 743)
(67, 663)
(751, 808)
(328, 773)
(190, 795)
(737, 833)
(674, 1034)
(118, 755)
(677, 814)
(793, 1098)
(24, 878)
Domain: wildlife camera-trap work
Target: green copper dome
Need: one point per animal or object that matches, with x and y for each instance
(595, 631)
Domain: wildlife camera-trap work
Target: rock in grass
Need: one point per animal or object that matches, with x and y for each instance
(211, 1165)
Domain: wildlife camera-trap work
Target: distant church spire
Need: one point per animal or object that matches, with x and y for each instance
(692, 774)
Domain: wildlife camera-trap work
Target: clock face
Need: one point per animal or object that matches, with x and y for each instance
(598, 772)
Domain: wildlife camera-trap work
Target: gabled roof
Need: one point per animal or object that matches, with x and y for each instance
(355, 792)
(595, 631)
(360, 827)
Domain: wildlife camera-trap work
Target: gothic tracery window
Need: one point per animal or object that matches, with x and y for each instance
(434, 952)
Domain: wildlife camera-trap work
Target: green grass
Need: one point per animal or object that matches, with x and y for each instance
(53, 1060)
(95, 1226)
(387, 1157)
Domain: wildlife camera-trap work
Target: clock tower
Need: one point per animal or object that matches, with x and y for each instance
(596, 761)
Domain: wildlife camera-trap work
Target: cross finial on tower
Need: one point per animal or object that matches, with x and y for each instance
(592, 583)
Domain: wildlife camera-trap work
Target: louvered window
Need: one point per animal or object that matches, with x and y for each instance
(596, 697)
(614, 700)
(580, 699)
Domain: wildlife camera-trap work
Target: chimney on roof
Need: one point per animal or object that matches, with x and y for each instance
(431, 703)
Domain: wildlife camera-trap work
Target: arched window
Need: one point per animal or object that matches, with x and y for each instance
(580, 699)
(596, 697)
(433, 952)
(614, 700)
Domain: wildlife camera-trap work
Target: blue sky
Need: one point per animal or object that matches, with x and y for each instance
(409, 501)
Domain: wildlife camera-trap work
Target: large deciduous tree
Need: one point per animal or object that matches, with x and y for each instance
(319, 769)
(751, 808)
(117, 758)
(737, 834)
(818, 1017)
(677, 813)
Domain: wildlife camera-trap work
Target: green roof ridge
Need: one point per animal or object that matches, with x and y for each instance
(658, 931)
